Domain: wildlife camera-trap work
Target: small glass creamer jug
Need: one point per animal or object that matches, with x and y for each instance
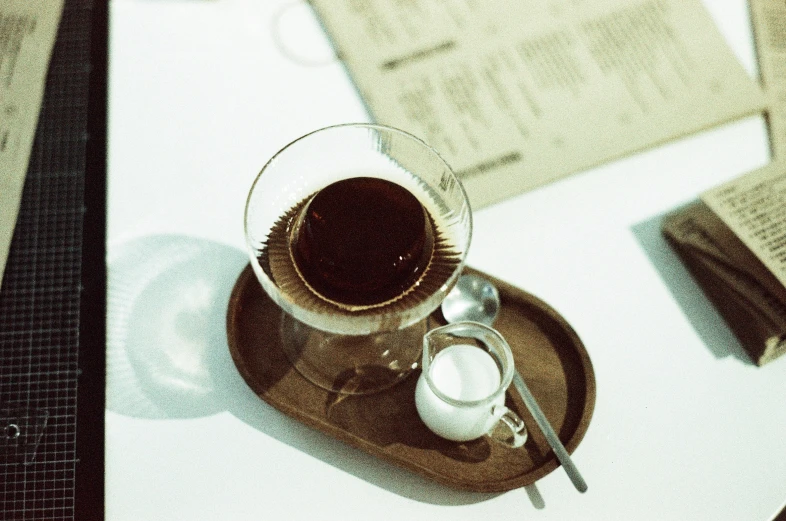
(460, 395)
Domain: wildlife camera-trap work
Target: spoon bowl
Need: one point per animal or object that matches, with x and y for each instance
(473, 298)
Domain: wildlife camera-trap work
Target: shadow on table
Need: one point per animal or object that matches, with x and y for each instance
(167, 357)
(703, 316)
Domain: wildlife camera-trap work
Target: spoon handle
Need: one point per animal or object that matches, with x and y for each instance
(548, 431)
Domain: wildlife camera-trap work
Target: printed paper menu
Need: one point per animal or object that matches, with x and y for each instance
(28, 29)
(754, 208)
(518, 93)
(769, 23)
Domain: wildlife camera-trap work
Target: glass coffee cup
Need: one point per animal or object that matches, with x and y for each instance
(357, 232)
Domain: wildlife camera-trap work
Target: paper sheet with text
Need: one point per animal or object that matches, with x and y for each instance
(769, 23)
(28, 29)
(753, 206)
(518, 93)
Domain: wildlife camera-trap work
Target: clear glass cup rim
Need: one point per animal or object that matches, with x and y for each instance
(465, 328)
(372, 127)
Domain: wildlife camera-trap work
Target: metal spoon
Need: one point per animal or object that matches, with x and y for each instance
(477, 299)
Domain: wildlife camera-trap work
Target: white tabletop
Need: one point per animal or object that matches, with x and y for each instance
(201, 95)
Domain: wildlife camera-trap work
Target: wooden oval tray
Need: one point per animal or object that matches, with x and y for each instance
(548, 353)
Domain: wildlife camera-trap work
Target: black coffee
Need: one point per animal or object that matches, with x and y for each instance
(363, 241)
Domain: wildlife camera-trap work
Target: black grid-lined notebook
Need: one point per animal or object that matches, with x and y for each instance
(52, 303)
